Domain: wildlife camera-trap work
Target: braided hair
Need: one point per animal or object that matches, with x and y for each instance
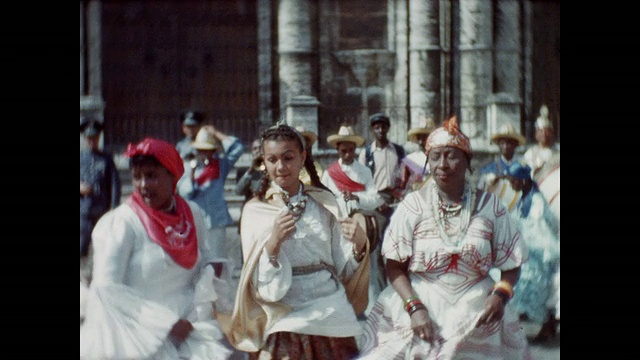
(282, 132)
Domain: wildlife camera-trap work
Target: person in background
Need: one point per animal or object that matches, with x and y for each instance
(545, 150)
(414, 168)
(305, 267)
(354, 190)
(439, 246)
(248, 178)
(493, 175)
(203, 183)
(383, 158)
(534, 295)
(310, 138)
(100, 185)
(190, 123)
(153, 292)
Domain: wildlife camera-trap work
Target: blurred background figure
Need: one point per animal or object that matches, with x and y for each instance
(248, 178)
(203, 183)
(493, 175)
(100, 187)
(414, 167)
(535, 293)
(310, 139)
(356, 195)
(544, 160)
(383, 158)
(190, 122)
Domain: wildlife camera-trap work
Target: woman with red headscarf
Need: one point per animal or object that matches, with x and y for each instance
(152, 293)
(440, 244)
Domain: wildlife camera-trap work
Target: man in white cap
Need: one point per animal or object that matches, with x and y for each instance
(190, 122)
(493, 175)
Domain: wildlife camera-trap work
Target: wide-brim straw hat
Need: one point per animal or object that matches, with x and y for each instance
(425, 128)
(309, 136)
(507, 131)
(345, 133)
(205, 140)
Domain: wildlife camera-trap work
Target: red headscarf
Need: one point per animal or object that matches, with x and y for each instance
(163, 151)
(175, 233)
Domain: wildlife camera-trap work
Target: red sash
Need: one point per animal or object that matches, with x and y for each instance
(342, 181)
(210, 172)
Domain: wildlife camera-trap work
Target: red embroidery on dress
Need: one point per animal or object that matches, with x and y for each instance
(453, 265)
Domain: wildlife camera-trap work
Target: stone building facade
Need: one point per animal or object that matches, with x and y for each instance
(320, 64)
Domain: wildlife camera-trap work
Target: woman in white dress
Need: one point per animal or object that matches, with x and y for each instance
(305, 274)
(441, 242)
(152, 293)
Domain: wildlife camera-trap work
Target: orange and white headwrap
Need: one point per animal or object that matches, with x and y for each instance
(449, 135)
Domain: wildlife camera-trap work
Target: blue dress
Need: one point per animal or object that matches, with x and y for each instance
(540, 229)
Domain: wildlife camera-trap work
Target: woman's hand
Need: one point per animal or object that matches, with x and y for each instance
(352, 231)
(423, 327)
(283, 226)
(180, 331)
(493, 311)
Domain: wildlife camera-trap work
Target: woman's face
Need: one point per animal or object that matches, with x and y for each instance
(448, 166)
(284, 160)
(154, 183)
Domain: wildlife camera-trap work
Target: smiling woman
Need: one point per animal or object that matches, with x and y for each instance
(304, 276)
(148, 255)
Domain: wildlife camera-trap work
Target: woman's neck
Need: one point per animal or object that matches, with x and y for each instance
(453, 195)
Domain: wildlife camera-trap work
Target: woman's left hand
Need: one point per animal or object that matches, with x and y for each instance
(352, 231)
(493, 311)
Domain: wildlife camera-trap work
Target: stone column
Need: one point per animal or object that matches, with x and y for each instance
(475, 48)
(424, 61)
(265, 65)
(94, 46)
(302, 111)
(508, 54)
(398, 93)
(297, 35)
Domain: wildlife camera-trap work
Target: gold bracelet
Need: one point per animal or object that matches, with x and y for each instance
(357, 256)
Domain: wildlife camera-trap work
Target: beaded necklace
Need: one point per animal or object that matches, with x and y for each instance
(462, 209)
(296, 204)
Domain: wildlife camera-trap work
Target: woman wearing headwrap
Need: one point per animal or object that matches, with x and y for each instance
(537, 293)
(441, 242)
(152, 293)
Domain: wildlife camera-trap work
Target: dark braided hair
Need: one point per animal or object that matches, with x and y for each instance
(282, 132)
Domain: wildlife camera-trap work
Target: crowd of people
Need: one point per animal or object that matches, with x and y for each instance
(382, 254)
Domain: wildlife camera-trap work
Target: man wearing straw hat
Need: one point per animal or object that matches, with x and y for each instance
(357, 196)
(493, 175)
(204, 182)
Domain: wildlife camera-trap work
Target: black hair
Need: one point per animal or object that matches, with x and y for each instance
(283, 132)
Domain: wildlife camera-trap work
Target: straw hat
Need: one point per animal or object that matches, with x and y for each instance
(309, 137)
(345, 133)
(427, 126)
(205, 140)
(507, 131)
